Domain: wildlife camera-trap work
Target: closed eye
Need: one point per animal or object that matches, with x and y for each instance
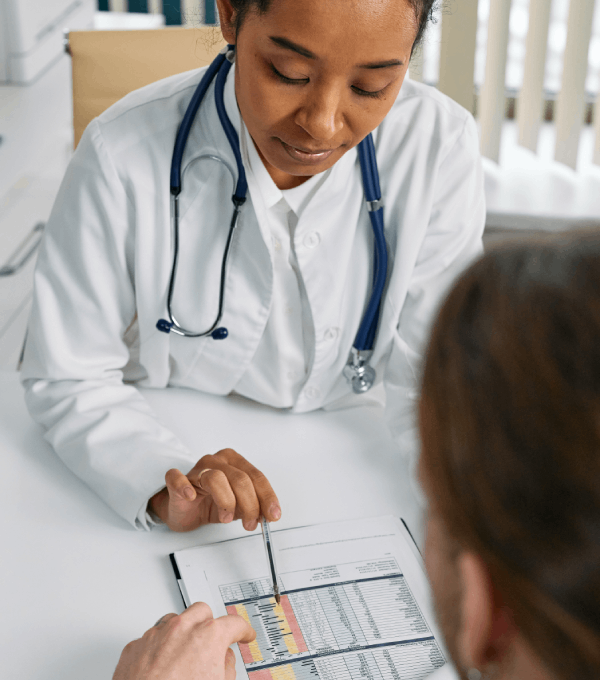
(365, 93)
(302, 81)
(285, 79)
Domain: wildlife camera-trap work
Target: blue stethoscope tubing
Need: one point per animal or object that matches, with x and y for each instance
(358, 372)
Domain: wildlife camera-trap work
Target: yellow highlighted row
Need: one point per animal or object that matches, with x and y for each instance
(283, 673)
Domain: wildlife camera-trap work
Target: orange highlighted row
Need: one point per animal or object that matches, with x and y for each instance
(293, 625)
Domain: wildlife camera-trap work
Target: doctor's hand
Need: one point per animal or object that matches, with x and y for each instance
(191, 646)
(219, 488)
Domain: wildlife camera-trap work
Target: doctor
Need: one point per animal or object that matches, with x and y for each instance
(285, 290)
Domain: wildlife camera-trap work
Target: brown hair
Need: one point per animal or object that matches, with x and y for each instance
(510, 420)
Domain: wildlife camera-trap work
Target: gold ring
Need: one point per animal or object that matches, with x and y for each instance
(200, 478)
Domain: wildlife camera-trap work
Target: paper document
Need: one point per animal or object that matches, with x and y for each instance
(354, 602)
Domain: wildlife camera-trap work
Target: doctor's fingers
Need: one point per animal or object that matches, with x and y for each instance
(224, 482)
(269, 503)
(186, 494)
(214, 483)
(179, 486)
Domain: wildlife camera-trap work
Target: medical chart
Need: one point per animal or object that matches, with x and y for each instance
(354, 602)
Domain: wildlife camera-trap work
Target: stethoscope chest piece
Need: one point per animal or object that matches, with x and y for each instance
(358, 372)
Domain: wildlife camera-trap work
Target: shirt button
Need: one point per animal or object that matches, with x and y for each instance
(331, 333)
(288, 310)
(312, 393)
(276, 243)
(312, 240)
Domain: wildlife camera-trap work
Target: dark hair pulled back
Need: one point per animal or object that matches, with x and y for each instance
(510, 420)
(423, 11)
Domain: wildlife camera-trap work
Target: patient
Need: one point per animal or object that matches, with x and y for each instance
(510, 425)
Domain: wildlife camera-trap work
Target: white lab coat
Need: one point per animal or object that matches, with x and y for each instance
(104, 266)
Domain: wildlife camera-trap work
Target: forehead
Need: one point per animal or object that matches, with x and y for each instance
(365, 30)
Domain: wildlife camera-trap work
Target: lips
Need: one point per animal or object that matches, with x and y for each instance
(307, 156)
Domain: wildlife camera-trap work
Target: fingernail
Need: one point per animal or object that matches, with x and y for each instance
(227, 517)
(188, 492)
(275, 512)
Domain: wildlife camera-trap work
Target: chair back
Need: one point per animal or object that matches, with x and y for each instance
(107, 65)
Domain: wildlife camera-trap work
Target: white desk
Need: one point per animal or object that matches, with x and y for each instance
(78, 582)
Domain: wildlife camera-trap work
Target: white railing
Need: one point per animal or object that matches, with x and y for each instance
(534, 50)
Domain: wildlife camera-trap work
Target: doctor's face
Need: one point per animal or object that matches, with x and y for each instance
(313, 78)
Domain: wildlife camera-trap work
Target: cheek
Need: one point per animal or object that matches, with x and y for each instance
(441, 566)
(428, 550)
(262, 102)
(370, 114)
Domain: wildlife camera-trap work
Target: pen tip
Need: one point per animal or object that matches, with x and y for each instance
(278, 598)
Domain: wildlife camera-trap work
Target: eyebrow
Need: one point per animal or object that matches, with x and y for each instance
(289, 45)
(294, 47)
(383, 64)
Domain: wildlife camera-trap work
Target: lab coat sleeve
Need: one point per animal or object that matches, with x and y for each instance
(452, 240)
(84, 301)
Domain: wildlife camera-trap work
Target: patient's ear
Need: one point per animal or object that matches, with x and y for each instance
(487, 627)
(227, 20)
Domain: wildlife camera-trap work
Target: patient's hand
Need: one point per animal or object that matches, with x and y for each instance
(191, 646)
(218, 488)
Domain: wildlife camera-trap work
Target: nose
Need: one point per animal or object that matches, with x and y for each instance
(321, 115)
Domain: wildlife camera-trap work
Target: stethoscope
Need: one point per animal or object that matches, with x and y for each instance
(357, 371)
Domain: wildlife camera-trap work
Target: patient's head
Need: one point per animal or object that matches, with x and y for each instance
(510, 422)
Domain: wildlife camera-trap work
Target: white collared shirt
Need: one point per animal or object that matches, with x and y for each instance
(280, 366)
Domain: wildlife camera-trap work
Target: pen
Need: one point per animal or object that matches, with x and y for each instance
(266, 532)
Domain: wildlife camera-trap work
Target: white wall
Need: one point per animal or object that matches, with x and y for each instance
(31, 33)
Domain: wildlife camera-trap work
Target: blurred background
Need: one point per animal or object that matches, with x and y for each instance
(529, 70)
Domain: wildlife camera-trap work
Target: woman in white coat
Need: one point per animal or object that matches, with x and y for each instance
(310, 81)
